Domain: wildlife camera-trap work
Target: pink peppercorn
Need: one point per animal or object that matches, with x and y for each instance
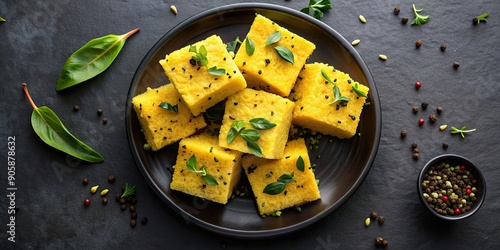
(418, 85)
(421, 121)
(457, 211)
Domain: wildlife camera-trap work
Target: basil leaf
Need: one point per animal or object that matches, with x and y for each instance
(238, 125)
(249, 46)
(216, 71)
(254, 148)
(91, 59)
(169, 107)
(273, 38)
(231, 46)
(285, 53)
(210, 179)
(191, 164)
(262, 123)
(250, 135)
(52, 131)
(274, 188)
(286, 178)
(231, 135)
(300, 163)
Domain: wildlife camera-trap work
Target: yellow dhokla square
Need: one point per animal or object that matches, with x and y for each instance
(262, 172)
(313, 96)
(222, 164)
(161, 126)
(198, 88)
(249, 104)
(266, 69)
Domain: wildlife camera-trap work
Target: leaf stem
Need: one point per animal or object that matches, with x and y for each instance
(25, 89)
(128, 34)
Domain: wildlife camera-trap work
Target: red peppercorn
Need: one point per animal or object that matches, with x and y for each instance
(421, 121)
(445, 198)
(468, 191)
(457, 211)
(462, 168)
(86, 202)
(418, 85)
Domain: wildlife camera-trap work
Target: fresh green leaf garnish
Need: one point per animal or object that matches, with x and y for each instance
(338, 96)
(461, 131)
(254, 148)
(216, 71)
(262, 123)
(52, 131)
(231, 46)
(278, 187)
(419, 19)
(249, 46)
(128, 191)
(91, 59)
(300, 163)
(273, 38)
(250, 135)
(356, 89)
(191, 165)
(235, 130)
(318, 7)
(169, 107)
(482, 18)
(285, 53)
(2, 19)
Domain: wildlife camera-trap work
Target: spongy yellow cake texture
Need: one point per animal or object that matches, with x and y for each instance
(312, 95)
(262, 172)
(266, 69)
(248, 104)
(223, 164)
(161, 126)
(199, 89)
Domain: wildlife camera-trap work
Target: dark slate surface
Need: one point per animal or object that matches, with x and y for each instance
(39, 35)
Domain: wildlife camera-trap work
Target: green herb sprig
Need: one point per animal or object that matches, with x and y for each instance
(462, 131)
(419, 19)
(318, 7)
(128, 191)
(191, 165)
(274, 188)
(251, 136)
(355, 88)
(231, 46)
(336, 91)
(481, 18)
(201, 60)
(169, 107)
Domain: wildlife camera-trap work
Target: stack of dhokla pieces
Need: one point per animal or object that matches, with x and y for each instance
(267, 87)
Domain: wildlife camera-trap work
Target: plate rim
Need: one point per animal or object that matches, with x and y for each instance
(267, 233)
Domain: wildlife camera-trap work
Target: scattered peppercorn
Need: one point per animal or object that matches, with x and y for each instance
(418, 85)
(381, 220)
(373, 215)
(367, 221)
(381, 242)
(416, 150)
(456, 65)
(439, 110)
(445, 145)
(133, 200)
(104, 201)
(404, 133)
(414, 145)
(133, 216)
(86, 202)
(76, 108)
(421, 121)
(122, 200)
(424, 105)
(132, 208)
(432, 118)
(133, 223)
(404, 20)
(144, 220)
(415, 110)
(111, 179)
(416, 156)
(385, 243)
(418, 43)
(104, 121)
(123, 206)
(396, 10)
(117, 198)
(85, 181)
(443, 47)
(99, 112)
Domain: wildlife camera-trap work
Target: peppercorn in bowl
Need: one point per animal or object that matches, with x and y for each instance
(451, 187)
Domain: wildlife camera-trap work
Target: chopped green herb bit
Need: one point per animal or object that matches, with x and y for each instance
(318, 7)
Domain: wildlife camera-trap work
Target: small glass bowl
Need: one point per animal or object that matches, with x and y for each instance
(453, 161)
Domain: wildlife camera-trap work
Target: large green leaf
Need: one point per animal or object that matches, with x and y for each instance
(91, 59)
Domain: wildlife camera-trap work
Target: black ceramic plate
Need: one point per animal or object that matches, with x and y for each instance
(341, 169)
